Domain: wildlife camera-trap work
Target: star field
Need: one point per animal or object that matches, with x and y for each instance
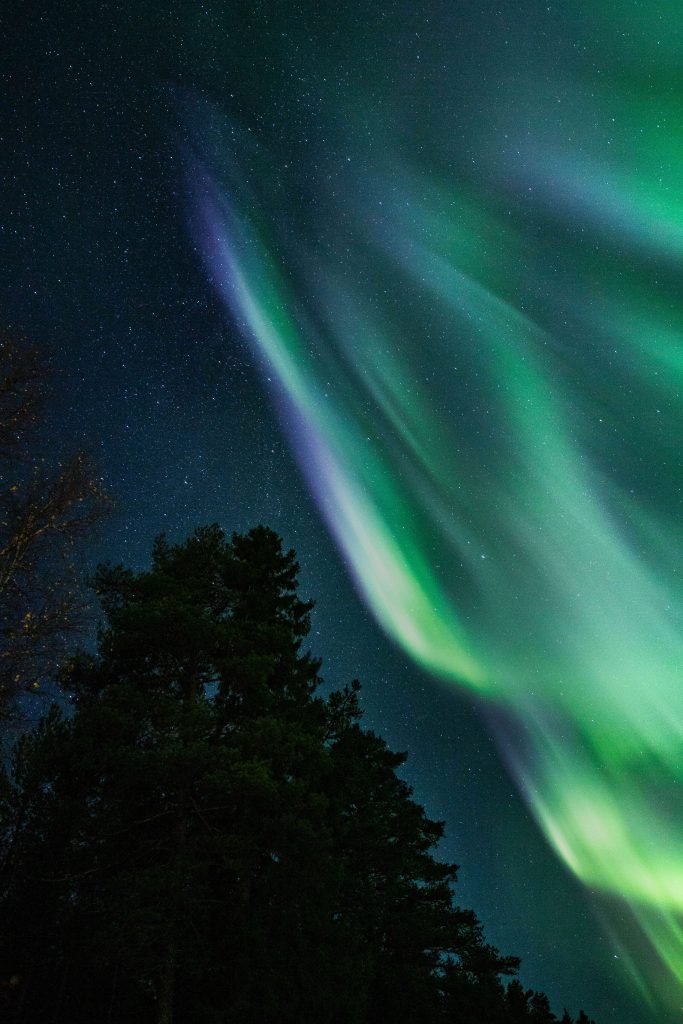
(364, 149)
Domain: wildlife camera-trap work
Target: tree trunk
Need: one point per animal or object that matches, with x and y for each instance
(60, 997)
(167, 976)
(166, 986)
(112, 998)
(19, 1015)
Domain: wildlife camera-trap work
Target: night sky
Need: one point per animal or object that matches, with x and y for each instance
(402, 282)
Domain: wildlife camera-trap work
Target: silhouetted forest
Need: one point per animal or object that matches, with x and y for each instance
(206, 839)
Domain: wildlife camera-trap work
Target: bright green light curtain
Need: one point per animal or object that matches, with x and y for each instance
(478, 361)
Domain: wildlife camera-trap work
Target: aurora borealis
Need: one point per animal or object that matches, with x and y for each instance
(429, 254)
(475, 346)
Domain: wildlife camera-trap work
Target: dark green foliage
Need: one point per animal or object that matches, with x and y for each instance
(207, 840)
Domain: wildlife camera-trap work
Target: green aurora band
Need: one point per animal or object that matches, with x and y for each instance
(481, 377)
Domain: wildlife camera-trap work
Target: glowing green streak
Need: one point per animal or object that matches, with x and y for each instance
(419, 614)
(611, 666)
(504, 481)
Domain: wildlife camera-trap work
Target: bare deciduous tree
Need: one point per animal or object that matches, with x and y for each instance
(46, 511)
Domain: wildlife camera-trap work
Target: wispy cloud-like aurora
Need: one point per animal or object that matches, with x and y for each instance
(485, 399)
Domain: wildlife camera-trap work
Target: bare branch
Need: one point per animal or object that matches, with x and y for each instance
(46, 512)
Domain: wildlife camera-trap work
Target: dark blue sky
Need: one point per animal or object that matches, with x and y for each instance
(99, 269)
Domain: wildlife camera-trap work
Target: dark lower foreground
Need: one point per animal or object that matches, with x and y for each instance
(116, 1002)
(206, 839)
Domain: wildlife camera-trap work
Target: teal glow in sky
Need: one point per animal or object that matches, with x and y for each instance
(475, 341)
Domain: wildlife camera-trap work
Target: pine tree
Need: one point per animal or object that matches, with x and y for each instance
(539, 1009)
(205, 839)
(173, 781)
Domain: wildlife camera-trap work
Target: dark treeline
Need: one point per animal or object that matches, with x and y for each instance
(206, 839)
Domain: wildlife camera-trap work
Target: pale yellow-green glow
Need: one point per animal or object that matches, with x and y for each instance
(488, 408)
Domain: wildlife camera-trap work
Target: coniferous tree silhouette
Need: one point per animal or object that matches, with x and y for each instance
(207, 840)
